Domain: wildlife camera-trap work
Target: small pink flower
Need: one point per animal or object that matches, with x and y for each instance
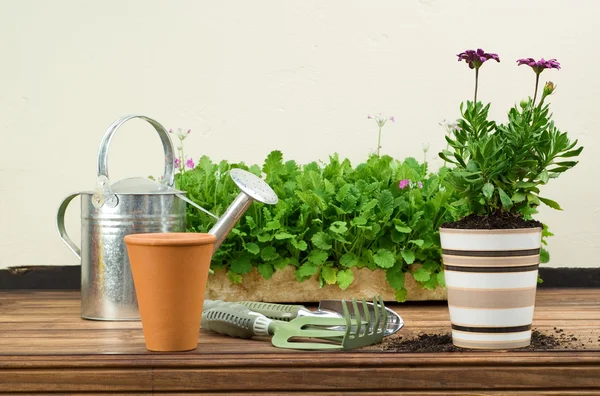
(189, 130)
(403, 184)
(420, 184)
(392, 119)
(177, 163)
(190, 163)
(369, 116)
(171, 130)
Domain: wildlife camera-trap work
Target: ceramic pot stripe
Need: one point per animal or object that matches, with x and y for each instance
(478, 317)
(466, 261)
(498, 280)
(492, 240)
(492, 299)
(491, 253)
(503, 344)
(491, 278)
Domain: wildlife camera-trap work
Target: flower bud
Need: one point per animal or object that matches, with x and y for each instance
(523, 103)
(549, 88)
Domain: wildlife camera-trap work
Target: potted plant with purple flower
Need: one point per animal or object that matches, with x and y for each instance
(491, 256)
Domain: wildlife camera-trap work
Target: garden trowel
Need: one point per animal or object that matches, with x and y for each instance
(327, 308)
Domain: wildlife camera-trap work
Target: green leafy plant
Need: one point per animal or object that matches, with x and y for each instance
(331, 218)
(500, 167)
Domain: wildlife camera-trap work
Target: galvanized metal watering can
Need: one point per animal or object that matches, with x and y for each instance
(137, 205)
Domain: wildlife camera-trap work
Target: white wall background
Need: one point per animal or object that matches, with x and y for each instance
(252, 76)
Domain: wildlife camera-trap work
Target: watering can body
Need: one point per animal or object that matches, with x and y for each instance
(107, 287)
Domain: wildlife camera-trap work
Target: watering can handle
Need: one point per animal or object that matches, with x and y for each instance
(60, 224)
(168, 177)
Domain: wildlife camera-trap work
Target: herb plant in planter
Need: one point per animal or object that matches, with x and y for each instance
(491, 256)
(331, 220)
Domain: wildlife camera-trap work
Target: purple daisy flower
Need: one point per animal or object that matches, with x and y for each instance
(540, 65)
(476, 58)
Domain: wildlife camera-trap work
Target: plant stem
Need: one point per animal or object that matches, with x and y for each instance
(476, 84)
(537, 81)
(379, 141)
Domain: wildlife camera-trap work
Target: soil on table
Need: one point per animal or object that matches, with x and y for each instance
(428, 343)
(500, 220)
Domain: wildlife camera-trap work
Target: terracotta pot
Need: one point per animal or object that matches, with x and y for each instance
(170, 271)
(491, 279)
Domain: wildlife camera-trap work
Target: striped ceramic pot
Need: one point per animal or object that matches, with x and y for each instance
(491, 279)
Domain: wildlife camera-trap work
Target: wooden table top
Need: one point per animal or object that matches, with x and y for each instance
(45, 346)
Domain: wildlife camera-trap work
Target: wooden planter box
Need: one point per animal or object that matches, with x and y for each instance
(284, 288)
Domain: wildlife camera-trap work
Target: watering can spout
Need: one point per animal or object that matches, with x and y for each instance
(252, 189)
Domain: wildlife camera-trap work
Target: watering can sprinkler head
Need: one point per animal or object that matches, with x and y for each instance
(252, 189)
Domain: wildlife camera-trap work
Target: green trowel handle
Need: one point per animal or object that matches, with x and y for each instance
(235, 320)
(275, 311)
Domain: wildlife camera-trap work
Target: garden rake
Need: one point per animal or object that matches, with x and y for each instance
(306, 332)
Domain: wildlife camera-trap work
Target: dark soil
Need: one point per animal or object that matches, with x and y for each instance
(500, 220)
(427, 343)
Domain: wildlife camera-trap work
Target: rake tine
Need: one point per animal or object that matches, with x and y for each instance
(358, 318)
(367, 317)
(347, 317)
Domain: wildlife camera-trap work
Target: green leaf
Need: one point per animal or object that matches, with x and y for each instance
(300, 245)
(421, 275)
(233, 277)
(252, 248)
(534, 199)
(269, 253)
(395, 278)
(307, 270)
(265, 238)
(572, 153)
(551, 203)
(441, 278)
(329, 275)
(345, 278)
(384, 258)
(280, 263)
(358, 221)
(403, 228)
(488, 190)
(318, 256)
(418, 242)
(544, 176)
(349, 260)
(266, 270)
(544, 256)
(430, 284)
(241, 264)
(401, 295)
(272, 225)
(321, 240)
(283, 235)
(386, 201)
(507, 203)
(518, 197)
(408, 256)
(339, 227)
(369, 206)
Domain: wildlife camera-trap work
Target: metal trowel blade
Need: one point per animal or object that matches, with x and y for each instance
(394, 321)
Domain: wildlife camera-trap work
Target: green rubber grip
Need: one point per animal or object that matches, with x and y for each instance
(275, 311)
(234, 320)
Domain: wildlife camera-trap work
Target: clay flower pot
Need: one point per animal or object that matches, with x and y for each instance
(491, 279)
(170, 271)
